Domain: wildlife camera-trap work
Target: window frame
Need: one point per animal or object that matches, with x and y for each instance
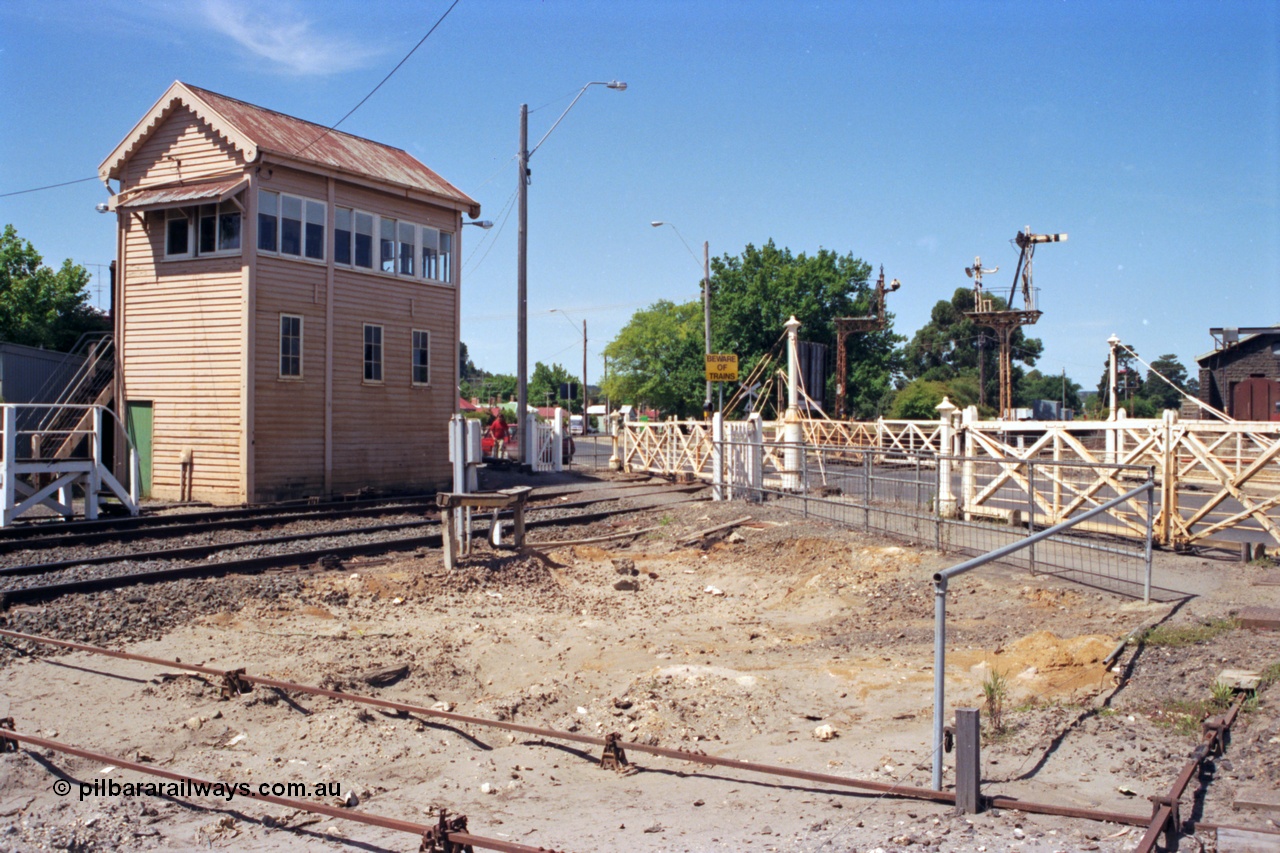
(414, 349)
(378, 363)
(304, 242)
(194, 217)
(280, 374)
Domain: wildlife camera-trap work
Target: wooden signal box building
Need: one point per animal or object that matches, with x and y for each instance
(287, 304)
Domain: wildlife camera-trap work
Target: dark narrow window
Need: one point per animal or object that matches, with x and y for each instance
(387, 244)
(446, 256)
(430, 253)
(268, 220)
(228, 227)
(421, 357)
(364, 240)
(290, 346)
(315, 230)
(208, 229)
(372, 353)
(290, 225)
(342, 235)
(177, 235)
(405, 242)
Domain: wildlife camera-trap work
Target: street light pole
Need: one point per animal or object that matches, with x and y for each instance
(522, 269)
(706, 299)
(522, 294)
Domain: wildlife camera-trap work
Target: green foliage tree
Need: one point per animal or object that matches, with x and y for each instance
(1039, 386)
(753, 295)
(947, 347)
(544, 387)
(41, 307)
(657, 359)
(1129, 384)
(1158, 392)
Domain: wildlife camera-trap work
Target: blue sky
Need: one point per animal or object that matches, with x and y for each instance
(916, 135)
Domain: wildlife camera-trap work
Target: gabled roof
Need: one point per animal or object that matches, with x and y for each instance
(255, 131)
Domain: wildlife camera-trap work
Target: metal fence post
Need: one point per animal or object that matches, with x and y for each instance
(968, 761)
(939, 471)
(866, 491)
(1146, 578)
(1031, 512)
(804, 482)
(939, 669)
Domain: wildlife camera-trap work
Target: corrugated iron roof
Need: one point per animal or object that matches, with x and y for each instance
(256, 131)
(174, 195)
(295, 138)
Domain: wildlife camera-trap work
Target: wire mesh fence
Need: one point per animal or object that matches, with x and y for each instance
(970, 506)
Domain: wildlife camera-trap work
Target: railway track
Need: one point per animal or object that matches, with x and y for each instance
(51, 535)
(100, 572)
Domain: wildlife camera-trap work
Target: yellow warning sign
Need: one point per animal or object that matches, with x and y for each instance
(722, 367)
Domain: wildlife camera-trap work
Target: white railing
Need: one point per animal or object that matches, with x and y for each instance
(28, 481)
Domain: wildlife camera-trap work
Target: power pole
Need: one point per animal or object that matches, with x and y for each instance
(522, 302)
(982, 367)
(584, 377)
(706, 311)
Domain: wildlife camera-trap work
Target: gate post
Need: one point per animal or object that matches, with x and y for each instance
(1169, 473)
(557, 438)
(10, 462)
(717, 456)
(946, 498)
(755, 458)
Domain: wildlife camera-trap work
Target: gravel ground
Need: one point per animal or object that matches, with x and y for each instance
(742, 645)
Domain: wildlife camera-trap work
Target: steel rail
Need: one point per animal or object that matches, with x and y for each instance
(55, 532)
(1165, 816)
(194, 528)
(270, 561)
(883, 788)
(379, 821)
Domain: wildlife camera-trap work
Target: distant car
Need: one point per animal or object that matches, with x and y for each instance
(486, 446)
(575, 425)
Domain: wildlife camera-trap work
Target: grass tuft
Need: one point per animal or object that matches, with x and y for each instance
(1176, 636)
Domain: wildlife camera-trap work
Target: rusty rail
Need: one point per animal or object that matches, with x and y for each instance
(1165, 816)
(233, 680)
(423, 831)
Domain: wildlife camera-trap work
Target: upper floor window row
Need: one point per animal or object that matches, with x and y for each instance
(371, 242)
(206, 229)
(291, 225)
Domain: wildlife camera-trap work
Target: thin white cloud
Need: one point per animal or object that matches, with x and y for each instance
(281, 33)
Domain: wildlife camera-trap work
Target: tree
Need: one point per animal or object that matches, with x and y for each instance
(947, 347)
(657, 359)
(1057, 387)
(545, 386)
(1160, 393)
(754, 294)
(1129, 384)
(38, 306)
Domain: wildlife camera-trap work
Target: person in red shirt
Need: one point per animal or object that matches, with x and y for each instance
(498, 429)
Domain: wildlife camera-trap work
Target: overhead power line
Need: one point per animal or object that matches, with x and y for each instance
(50, 186)
(390, 73)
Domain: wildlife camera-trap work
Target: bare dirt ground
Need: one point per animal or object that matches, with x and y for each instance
(741, 646)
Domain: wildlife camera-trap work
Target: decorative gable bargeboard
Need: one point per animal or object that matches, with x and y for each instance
(286, 306)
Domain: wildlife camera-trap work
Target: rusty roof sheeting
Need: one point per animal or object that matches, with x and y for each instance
(312, 143)
(174, 195)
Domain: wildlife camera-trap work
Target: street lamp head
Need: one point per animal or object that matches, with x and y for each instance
(616, 84)
(657, 224)
(482, 223)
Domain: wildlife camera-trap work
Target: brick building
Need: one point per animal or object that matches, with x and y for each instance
(1242, 376)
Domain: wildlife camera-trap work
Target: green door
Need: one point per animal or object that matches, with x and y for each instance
(139, 426)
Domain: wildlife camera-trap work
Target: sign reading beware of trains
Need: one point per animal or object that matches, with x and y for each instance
(722, 367)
